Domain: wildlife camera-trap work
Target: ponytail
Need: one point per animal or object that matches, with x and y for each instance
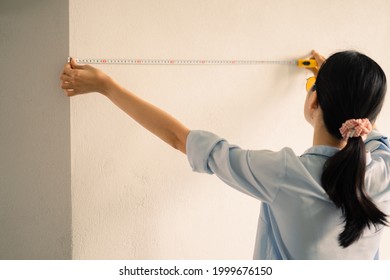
(351, 89)
(343, 180)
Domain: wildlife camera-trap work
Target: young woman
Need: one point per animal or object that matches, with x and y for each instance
(329, 203)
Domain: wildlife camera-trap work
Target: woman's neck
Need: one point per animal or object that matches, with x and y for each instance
(321, 136)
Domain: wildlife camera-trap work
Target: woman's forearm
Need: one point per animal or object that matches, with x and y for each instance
(160, 123)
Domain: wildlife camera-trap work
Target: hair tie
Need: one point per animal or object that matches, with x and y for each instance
(355, 128)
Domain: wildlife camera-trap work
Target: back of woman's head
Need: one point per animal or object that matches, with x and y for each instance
(349, 86)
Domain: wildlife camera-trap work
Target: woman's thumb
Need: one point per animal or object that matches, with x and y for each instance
(74, 64)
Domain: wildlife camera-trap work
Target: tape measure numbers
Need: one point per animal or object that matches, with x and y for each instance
(307, 63)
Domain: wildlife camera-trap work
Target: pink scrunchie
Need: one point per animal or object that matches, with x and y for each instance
(355, 128)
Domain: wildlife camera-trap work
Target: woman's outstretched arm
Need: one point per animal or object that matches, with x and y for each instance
(80, 79)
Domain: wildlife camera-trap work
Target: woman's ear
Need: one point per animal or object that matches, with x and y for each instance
(313, 100)
(311, 107)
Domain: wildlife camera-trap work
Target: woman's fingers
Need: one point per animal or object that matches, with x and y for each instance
(80, 79)
(70, 92)
(319, 59)
(69, 82)
(67, 69)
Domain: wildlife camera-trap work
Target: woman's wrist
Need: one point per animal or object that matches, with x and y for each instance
(107, 85)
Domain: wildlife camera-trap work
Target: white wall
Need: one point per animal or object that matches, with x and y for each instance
(35, 200)
(136, 198)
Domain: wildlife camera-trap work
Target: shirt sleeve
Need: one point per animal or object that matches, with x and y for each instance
(376, 141)
(256, 173)
(379, 167)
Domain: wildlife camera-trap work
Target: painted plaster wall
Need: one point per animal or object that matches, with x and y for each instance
(136, 198)
(35, 200)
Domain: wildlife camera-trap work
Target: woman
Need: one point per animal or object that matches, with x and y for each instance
(329, 203)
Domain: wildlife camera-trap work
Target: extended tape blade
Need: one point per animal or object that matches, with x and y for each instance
(179, 61)
(308, 63)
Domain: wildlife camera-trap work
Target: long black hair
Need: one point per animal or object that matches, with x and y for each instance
(350, 85)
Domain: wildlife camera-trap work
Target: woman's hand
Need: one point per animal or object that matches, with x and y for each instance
(80, 79)
(319, 59)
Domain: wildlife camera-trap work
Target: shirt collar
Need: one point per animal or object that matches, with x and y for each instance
(321, 150)
(328, 151)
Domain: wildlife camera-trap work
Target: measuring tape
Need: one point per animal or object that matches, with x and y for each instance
(307, 63)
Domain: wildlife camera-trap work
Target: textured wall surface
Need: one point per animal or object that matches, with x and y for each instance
(35, 200)
(136, 198)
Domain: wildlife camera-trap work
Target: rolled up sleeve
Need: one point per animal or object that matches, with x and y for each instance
(254, 173)
(378, 167)
(199, 146)
(376, 140)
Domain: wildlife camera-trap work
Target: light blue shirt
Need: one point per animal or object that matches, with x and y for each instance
(297, 218)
